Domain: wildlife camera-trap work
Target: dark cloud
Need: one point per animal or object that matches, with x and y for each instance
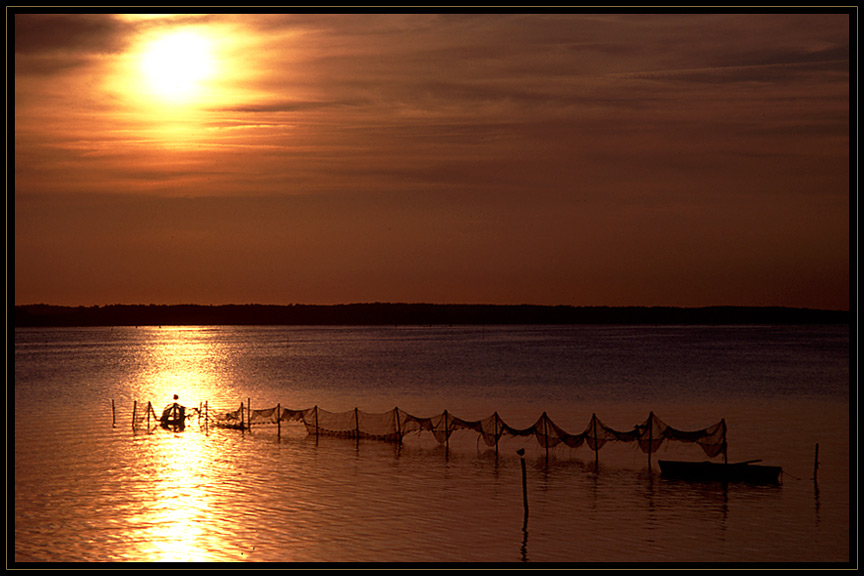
(48, 44)
(294, 106)
(69, 34)
(774, 73)
(796, 56)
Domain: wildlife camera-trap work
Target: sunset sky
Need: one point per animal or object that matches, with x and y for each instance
(582, 159)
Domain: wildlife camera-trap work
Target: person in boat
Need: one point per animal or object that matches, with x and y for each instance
(174, 415)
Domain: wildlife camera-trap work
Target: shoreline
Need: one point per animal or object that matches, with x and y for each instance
(378, 314)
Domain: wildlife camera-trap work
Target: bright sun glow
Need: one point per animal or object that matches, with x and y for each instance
(177, 64)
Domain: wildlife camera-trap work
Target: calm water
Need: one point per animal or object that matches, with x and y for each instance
(89, 488)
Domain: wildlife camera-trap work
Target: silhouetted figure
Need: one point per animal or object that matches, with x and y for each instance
(174, 416)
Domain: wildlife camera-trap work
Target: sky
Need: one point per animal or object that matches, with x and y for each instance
(575, 159)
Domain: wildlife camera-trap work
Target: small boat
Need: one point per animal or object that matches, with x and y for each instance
(229, 425)
(721, 471)
(173, 417)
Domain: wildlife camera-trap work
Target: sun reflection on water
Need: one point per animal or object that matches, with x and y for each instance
(187, 361)
(174, 518)
(180, 501)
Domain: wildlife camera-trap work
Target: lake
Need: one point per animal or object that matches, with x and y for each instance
(89, 488)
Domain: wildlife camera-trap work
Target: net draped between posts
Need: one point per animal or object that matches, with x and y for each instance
(395, 424)
(143, 416)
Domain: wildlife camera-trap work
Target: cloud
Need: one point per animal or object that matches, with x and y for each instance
(47, 44)
(293, 106)
(70, 33)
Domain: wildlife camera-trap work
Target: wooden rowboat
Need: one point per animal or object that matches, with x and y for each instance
(721, 472)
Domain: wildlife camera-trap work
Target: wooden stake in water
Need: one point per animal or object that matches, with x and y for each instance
(134, 411)
(816, 463)
(357, 424)
(521, 452)
(113, 415)
(446, 434)
(398, 425)
(650, 437)
(496, 433)
(546, 435)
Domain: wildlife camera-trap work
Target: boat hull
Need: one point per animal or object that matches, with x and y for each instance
(719, 472)
(173, 424)
(173, 417)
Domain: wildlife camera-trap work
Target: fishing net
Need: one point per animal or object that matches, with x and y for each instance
(144, 417)
(268, 416)
(395, 424)
(711, 439)
(230, 419)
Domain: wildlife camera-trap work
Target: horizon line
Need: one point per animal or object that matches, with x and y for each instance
(454, 304)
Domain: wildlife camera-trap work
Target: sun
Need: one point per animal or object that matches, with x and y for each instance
(176, 65)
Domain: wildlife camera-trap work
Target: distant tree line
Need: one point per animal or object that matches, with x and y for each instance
(41, 315)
